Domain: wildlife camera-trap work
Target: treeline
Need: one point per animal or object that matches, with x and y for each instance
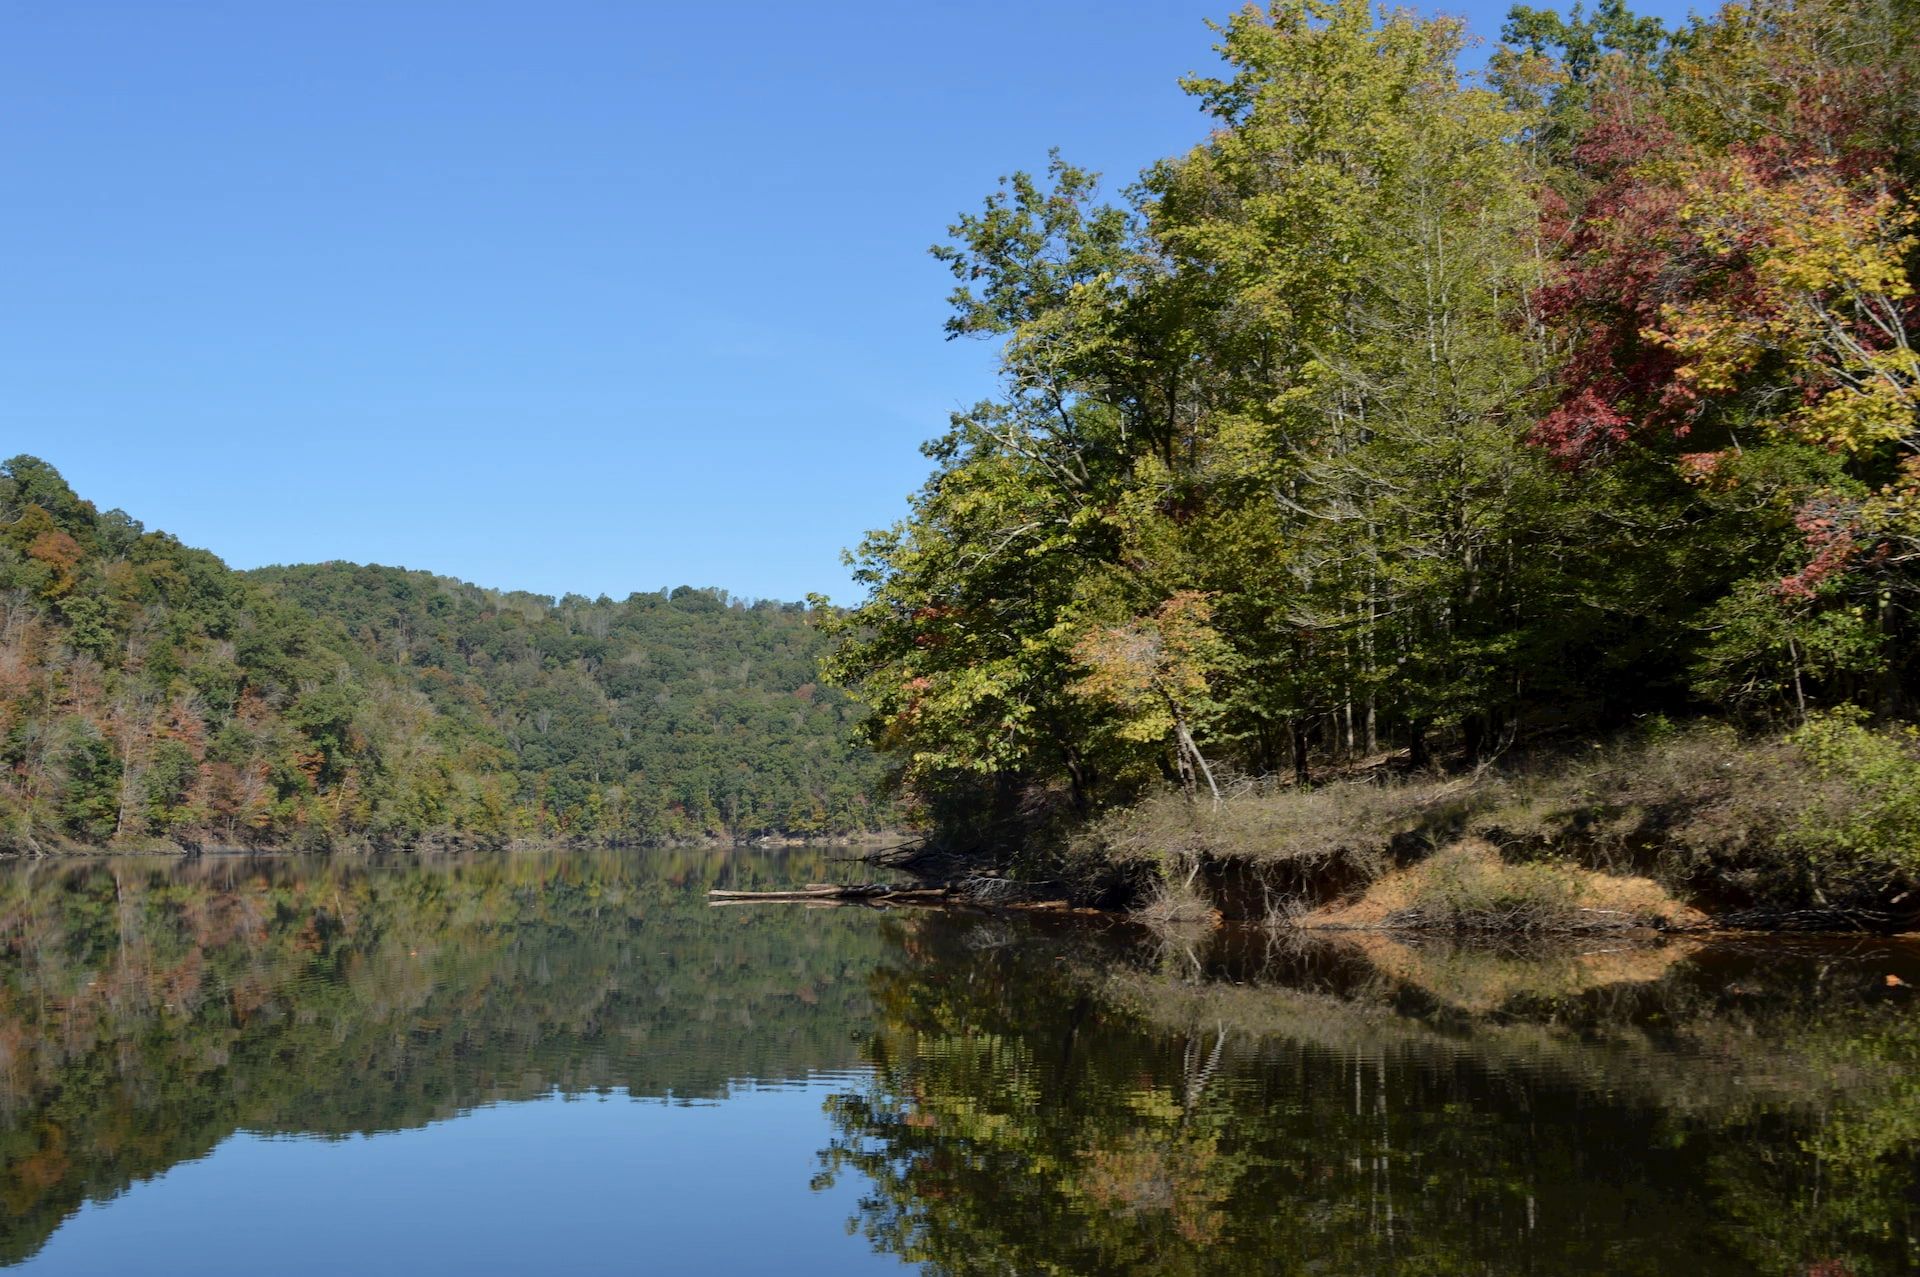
(675, 713)
(151, 696)
(1418, 413)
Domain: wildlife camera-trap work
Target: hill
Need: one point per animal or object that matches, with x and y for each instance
(151, 696)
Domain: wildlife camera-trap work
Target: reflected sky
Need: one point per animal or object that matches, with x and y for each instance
(593, 1184)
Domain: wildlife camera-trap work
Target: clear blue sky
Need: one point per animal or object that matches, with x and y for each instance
(545, 294)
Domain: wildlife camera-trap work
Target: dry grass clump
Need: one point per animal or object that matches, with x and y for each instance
(1359, 822)
(1675, 803)
(1177, 904)
(1669, 801)
(1469, 887)
(1820, 827)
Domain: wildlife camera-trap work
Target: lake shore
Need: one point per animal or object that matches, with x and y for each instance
(1684, 830)
(149, 846)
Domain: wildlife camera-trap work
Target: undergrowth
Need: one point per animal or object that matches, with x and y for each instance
(1824, 819)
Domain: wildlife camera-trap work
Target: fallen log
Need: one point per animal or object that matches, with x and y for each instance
(839, 891)
(948, 895)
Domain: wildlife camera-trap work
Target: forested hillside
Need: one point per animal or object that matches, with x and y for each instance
(1412, 414)
(151, 696)
(677, 712)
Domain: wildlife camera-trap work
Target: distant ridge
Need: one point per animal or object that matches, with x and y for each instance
(151, 696)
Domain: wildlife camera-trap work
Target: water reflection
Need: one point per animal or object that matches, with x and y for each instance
(151, 1008)
(985, 1093)
(1243, 1104)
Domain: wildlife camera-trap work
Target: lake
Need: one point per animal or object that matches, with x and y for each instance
(570, 1062)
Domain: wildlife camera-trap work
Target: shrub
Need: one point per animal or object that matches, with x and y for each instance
(1467, 887)
(1175, 902)
(1858, 844)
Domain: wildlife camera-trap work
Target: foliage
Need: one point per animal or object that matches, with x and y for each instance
(1864, 847)
(1465, 411)
(150, 696)
(677, 714)
(1156, 672)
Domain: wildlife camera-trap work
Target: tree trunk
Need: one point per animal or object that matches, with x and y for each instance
(1079, 781)
(1418, 752)
(1199, 759)
(1474, 733)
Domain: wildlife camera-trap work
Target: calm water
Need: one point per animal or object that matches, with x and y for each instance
(569, 1063)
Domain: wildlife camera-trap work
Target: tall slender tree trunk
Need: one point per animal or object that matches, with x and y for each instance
(1199, 759)
(1302, 768)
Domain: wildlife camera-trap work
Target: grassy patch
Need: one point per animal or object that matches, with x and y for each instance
(1468, 886)
(1821, 824)
(1357, 821)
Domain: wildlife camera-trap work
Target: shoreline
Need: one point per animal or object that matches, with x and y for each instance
(77, 851)
(1050, 903)
(1692, 829)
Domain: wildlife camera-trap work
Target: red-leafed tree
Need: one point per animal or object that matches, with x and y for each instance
(1732, 294)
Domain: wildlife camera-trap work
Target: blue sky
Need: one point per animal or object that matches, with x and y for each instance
(562, 295)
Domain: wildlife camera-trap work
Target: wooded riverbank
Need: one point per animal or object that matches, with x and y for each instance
(1516, 470)
(1666, 829)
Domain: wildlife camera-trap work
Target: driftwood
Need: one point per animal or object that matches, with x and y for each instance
(1831, 918)
(880, 893)
(874, 891)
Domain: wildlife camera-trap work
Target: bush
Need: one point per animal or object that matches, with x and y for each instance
(1467, 887)
(1175, 902)
(88, 806)
(1858, 844)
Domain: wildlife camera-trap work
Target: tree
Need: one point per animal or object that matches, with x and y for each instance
(1156, 673)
